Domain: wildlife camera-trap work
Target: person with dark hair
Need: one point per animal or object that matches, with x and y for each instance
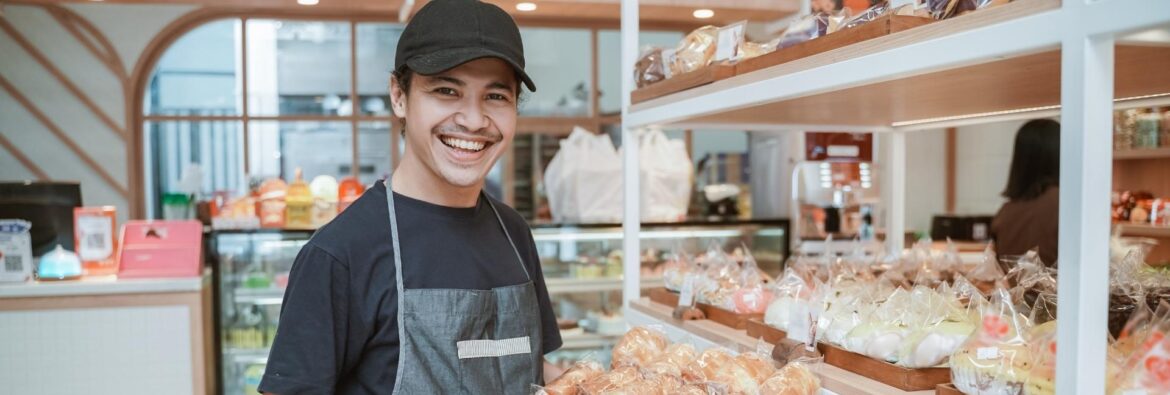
(1030, 217)
(427, 285)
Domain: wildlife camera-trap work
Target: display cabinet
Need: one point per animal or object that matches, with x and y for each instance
(582, 267)
(251, 269)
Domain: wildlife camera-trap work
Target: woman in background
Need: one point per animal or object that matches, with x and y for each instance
(1030, 217)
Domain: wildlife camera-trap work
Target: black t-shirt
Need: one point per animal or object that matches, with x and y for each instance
(338, 330)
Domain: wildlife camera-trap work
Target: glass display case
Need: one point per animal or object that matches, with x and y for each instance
(581, 264)
(582, 267)
(251, 270)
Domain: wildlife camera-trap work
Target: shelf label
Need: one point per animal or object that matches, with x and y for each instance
(1137, 391)
(728, 41)
(686, 297)
(984, 353)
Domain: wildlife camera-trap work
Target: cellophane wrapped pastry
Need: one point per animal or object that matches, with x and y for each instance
(650, 67)
(695, 51)
(804, 29)
(996, 359)
(750, 49)
(677, 268)
(868, 15)
(987, 272)
(580, 372)
(1141, 355)
(608, 383)
(754, 293)
(638, 347)
(791, 288)
(1042, 378)
(794, 378)
(938, 325)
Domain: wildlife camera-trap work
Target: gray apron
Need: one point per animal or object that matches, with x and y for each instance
(463, 341)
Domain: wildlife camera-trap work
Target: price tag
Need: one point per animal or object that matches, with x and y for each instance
(686, 297)
(667, 60)
(728, 41)
(1137, 391)
(800, 322)
(984, 353)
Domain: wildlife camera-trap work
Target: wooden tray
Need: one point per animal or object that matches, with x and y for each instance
(681, 82)
(905, 379)
(719, 315)
(758, 329)
(882, 26)
(947, 389)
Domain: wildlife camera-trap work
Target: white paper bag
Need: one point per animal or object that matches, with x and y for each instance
(584, 180)
(667, 178)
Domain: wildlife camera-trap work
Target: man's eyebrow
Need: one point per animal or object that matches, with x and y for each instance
(500, 85)
(453, 80)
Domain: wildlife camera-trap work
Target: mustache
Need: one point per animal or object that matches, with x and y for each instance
(455, 129)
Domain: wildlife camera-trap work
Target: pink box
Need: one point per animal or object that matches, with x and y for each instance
(161, 249)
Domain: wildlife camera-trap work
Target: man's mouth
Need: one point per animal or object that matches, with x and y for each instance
(465, 145)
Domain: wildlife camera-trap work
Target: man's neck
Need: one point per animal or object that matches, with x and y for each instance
(416, 181)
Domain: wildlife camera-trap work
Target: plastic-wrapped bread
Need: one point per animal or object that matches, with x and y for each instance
(580, 372)
(690, 389)
(638, 347)
(794, 379)
(720, 367)
(650, 68)
(672, 362)
(750, 49)
(614, 380)
(996, 358)
(695, 51)
(710, 362)
(760, 368)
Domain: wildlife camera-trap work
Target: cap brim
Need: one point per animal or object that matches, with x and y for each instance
(443, 60)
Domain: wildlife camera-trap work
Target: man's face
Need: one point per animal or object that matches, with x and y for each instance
(459, 122)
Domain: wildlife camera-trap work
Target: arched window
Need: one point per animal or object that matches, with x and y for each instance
(247, 99)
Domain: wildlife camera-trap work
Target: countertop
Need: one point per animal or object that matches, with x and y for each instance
(105, 286)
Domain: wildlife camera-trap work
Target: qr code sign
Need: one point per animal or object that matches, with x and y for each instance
(95, 240)
(13, 263)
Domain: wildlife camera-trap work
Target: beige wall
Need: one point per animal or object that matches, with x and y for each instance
(30, 147)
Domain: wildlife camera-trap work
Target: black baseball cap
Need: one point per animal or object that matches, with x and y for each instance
(447, 33)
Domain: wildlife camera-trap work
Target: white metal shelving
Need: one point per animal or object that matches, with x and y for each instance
(1082, 35)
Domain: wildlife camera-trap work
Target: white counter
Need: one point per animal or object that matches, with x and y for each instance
(108, 336)
(103, 286)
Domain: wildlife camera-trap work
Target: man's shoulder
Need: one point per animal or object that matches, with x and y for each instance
(512, 219)
(360, 227)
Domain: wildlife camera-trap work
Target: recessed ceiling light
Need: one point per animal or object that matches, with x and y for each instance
(307, 2)
(526, 6)
(703, 13)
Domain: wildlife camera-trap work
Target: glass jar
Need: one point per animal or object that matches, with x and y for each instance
(1147, 130)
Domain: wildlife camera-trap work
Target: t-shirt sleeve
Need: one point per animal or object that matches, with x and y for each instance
(550, 332)
(308, 352)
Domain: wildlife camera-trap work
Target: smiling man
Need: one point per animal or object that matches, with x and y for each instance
(431, 287)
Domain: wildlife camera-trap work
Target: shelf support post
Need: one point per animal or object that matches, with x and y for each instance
(1085, 159)
(896, 221)
(631, 189)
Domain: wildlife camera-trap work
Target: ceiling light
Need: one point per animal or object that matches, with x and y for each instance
(703, 13)
(307, 2)
(526, 7)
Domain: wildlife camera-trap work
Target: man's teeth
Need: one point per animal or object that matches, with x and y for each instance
(464, 144)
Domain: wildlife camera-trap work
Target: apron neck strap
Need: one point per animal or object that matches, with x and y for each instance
(398, 247)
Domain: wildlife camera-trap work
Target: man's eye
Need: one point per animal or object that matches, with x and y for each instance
(497, 96)
(446, 91)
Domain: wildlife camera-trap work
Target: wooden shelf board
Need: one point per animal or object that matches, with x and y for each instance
(837, 380)
(1021, 81)
(1148, 153)
(1145, 231)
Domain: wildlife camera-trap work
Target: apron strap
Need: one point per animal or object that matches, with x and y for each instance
(397, 280)
(500, 220)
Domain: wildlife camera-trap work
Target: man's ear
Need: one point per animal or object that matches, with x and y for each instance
(397, 98)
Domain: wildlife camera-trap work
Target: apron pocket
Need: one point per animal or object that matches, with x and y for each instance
(488, 348)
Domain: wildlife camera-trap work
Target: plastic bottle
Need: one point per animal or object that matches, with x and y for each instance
(299, 204)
